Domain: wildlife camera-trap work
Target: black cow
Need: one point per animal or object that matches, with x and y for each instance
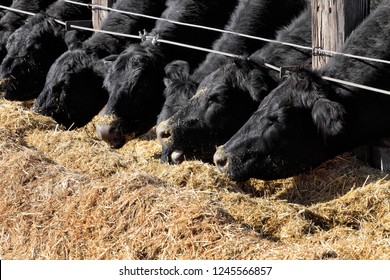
(33, 48)
(135, 81)
(307, 120)
(227, 97)
(73, 92)
(251, 17)
(6, 3)
(374, 4)
(11, 21)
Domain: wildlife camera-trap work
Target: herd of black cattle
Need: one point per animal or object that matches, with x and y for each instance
(265, 126)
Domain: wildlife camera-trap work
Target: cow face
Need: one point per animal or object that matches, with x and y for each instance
(135, 86)
(30, 51)
(293, 130)
(73, 93)
(224, 101)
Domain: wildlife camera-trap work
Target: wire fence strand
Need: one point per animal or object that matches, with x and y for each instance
(328, 52)
(159, 40)
(16, 10)
(189, 24)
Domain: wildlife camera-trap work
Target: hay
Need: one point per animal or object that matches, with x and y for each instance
(67, 195)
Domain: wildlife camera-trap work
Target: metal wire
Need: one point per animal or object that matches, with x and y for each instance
(156, 39)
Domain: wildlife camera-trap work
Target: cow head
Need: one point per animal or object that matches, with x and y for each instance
(135, 86)
(223, 102)
(293, 130)
(179, 88)
(73, 93)
(31, 50)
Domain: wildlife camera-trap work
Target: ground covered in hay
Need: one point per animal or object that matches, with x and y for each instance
(66, 195)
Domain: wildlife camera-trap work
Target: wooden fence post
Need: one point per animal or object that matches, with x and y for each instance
(99, 14)
(332, 22)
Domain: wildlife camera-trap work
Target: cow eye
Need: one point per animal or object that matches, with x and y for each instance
(285, 77)
(277, 118)
(273, 119)
(136, 60)
(301, 77)
(216, 98)
(37, 46)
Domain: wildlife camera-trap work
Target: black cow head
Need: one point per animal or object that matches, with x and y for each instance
(293, 130)
(179, 88)
(73, 93)
(31, 50)
(224, 101)
(135, 86)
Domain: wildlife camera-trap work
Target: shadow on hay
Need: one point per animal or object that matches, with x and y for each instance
(331, 181)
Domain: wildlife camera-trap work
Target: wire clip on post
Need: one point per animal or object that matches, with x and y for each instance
(318, 51)
(142, 35)
(155, 40)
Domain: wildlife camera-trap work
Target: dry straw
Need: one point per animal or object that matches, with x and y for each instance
(67, 195)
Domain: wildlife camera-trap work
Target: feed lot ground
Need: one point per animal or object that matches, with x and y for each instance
(66, 195)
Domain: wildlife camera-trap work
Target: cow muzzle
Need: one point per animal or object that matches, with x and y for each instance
(221, 160)
(164, 133)
(111, 134)
(7, 86)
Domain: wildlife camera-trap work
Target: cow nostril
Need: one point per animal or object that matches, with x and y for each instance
(103, 131)
(221, 163)
(5, 84)
(177, 157)
(163, 133)
(109, 134)
(221, 160)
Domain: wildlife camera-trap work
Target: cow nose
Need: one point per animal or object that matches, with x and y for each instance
(109, 134)
(163, 132)
(104, 132)
(177, 157)
(6, 84)
(221, 159)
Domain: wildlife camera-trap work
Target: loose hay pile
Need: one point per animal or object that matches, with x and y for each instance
(66, 195)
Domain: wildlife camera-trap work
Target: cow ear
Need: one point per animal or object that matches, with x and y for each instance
(176, 70)
(111, 58)
(71, 40)
(328, 116)
(257, 85)
(74, 38)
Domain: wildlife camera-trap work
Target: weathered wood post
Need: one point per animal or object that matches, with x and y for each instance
(332, 22)
(99, 14)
